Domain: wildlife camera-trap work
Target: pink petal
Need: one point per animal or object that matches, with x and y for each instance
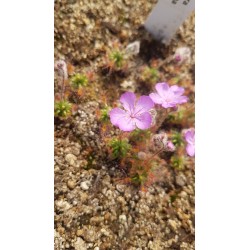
(177, 90)
(181, 99)
(190, 150)
(116, 114)
(128, 101)
(168, 105)
(189, 136)
(156, 98)
(143, 105)
(162, 89)
(143, 121)
(170, 146)
(126, 124)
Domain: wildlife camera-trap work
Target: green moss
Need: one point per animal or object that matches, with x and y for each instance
(62, 109)
(117, 58)
(177, 162)
(150, 74)
(79, 80)
(139, 135)
(177, 139)
(119, 147)
(105, 114)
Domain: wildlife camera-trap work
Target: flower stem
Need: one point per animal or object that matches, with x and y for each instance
(62, 89)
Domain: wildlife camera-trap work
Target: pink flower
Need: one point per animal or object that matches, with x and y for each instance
(182, 55)
(170, 146)
(160, 141)
(168, 96)
(190, 139)
(135, 115)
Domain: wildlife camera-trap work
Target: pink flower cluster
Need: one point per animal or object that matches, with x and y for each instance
(138, 113)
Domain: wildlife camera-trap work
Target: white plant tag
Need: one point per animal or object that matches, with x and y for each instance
(166, 17)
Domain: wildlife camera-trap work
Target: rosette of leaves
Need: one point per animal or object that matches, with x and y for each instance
(117, 58)
(104, 116)
(79, 81)
(177, 162)
(150, 74)
(119, 147)
(177, 138)
(62, 109)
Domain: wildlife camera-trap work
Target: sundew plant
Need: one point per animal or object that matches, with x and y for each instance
(137, 114)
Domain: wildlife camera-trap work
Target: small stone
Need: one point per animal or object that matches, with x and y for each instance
(80, 244)
(71, 184)
(85, 185)
(181, 180)
(172, 224)
(133, 48)
(120, 188)
(71, 159)
(122, 218)
(79, 232)
(63, 205)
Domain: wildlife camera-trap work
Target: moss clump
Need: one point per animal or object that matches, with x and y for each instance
(79, 80)
(117, 58)
(177, 162)
(119, 148)
(62, 109)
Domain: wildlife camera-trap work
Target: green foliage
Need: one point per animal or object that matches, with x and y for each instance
(105, 114)
(139, 178)
(138, 135)
(62, 109)
(177, 162)
(117, 58)
(176, 117)
(119, 147)
(150, 74)
(177, 139)
(79, 80)
(173, 197)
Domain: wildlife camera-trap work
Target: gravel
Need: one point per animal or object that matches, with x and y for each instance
(92, 209)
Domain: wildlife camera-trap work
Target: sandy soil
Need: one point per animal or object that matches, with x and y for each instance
(92, 209)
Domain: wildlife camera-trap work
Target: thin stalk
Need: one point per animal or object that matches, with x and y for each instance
(62, 89)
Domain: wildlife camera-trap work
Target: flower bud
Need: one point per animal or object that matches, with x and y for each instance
(159, 141)
(170, 146)
(182, 55)
(61, 68)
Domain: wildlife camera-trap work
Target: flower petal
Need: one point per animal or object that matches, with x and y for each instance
(156, 98)
(162, 89)
(116, 114)
(189, 136)
(168, 105)
(190, 150)
(126, 124)
(143, 105)
(181, 99)
(143, 121)
(177, 90)
(128, 101)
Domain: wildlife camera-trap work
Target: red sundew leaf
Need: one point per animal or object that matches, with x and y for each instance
(66, 82)
(154, 63)
(67, 94)
(90, 75)
(80, 92)
(74, 108)
(70, 69)
(57, 97)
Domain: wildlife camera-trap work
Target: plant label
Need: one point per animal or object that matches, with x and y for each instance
(166, 17)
